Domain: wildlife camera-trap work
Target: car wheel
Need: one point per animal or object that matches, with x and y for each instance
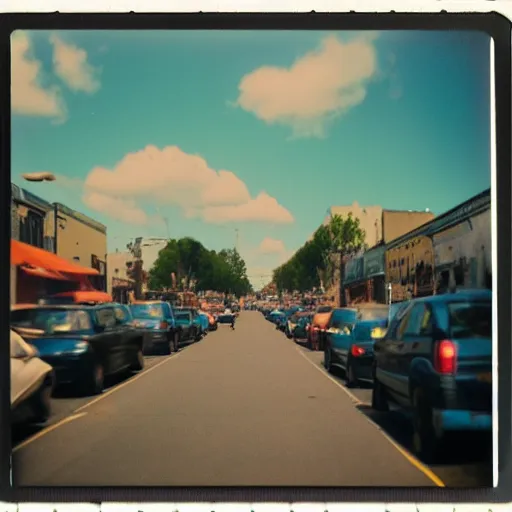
(425, 442)
(379, 399)
(42, 404)
(176, 341)
(350, 376)
(138, 364)
(328, 359)
(96, 380)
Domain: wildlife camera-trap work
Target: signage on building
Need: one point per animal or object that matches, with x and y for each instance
(374, 262)
(354, 270)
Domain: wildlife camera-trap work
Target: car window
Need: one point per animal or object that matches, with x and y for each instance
(106, 317)
(470, 319)
(122, 314)
(51, 321)
(343, 318)
(413, 323)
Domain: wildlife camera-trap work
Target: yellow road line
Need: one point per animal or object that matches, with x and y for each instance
(77, 412)
(411, 458)
(48, 429)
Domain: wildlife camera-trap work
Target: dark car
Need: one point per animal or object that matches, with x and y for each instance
(300, 332)
(191, 323)
(436, 362)
(349, 346)
(83, 344)
(155, 320)
(226, 319)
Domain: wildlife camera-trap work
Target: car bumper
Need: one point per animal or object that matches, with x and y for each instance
(363, 368)
(154, 340)
(448, 420)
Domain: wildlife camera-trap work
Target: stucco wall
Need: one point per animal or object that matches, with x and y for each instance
(398, 223)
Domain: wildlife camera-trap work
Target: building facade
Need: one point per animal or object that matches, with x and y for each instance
(82, 240)
(119, 283)
(452, 251)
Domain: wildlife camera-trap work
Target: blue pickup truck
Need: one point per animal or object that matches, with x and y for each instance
(435, 362)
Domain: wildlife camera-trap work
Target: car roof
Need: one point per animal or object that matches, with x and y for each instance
(148, 302)
(65, 306)
(461, 295)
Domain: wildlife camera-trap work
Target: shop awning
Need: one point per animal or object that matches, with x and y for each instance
(41, 272)
(85, 296)
(24, 254)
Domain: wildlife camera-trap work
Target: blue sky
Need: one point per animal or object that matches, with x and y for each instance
(255, 131)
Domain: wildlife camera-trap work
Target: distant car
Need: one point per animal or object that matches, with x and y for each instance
(83, 344)
(205, 322)
(300, 332)
(349, 345)
(196, 325)
(32, 382)
(187, 328)
(276, 316)
(156, 322)
(435, 361)
(225, 319)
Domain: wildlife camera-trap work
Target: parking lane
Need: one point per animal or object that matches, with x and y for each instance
(462, 467)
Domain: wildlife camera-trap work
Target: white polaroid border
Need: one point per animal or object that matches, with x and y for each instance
(367, 6)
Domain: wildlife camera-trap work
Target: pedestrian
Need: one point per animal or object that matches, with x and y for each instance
(233, 322)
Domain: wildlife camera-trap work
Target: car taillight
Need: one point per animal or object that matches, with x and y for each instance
(164, 325)
(445, 360)
(357, 351)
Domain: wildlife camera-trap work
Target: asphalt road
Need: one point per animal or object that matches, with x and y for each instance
(248, 407)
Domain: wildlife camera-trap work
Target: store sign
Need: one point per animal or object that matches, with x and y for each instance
(354, 270)
(374, 262)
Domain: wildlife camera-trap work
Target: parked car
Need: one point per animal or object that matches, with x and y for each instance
(196, 328)
(155, 320)
(83, 344)
(275, 316)
(186, 325)
(204, 321)
(225, 319)
(300, 332)
(436, 363)
(212, 322)
(32, 382)
(349, 344)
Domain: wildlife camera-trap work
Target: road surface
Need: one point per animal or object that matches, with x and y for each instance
(240, 408)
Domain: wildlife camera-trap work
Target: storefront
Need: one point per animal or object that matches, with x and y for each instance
(463, 254)
(39, 273)
(374, 274)
(355, 288)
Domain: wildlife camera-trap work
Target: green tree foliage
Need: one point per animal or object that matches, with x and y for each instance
(224, 271)
(315, 259)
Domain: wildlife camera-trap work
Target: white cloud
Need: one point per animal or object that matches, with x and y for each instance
(169, 176)
(115, 208)
(271, 246)
(318, 87)
(28, 96)
(71, 66)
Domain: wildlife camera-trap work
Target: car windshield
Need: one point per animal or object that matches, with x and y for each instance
(147, 311)
(182, 316)
(377, 313)
(52, 321)
(363, 330)
(324, 309)
(470, 319)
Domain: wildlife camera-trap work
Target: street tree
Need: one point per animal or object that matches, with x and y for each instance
(318, 258)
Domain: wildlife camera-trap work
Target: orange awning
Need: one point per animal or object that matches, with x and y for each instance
(24, 254)
(86, 296)
(41, 272)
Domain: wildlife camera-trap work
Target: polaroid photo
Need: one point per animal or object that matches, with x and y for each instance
(253, 255)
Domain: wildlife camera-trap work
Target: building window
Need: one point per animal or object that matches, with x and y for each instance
(31, 229)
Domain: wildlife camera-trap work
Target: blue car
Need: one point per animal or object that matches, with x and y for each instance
(435, 363)
(83, 344)
(205, 323)
(155, 320)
